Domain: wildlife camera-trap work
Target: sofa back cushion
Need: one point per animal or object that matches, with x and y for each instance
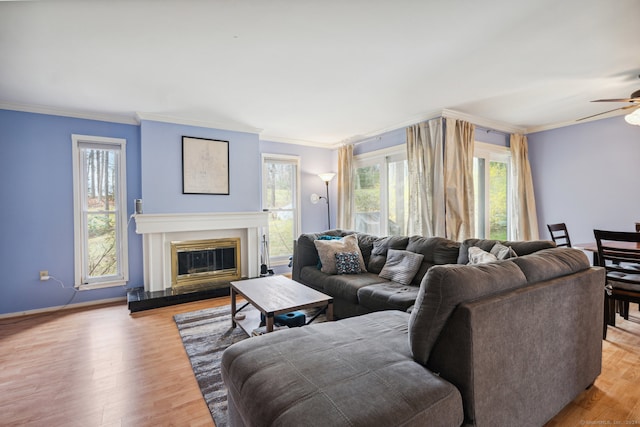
(436, 251)
(379, 251)
(551, 263)
(521, 247)
(446, 286)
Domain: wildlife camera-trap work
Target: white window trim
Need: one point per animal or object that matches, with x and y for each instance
(496, 153)
(79, 247)
(276, 261)
(382, 156)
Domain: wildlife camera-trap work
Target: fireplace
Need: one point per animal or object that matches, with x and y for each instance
(205, 261)
(160, 230)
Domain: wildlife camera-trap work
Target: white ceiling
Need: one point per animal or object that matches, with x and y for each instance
(320, 71)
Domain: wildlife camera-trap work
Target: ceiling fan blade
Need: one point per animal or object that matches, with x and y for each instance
(617, 100)
(609, 111)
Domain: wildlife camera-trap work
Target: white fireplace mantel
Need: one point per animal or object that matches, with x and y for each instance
(159, 230)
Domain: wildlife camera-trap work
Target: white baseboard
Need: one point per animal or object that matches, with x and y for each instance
(62, 307)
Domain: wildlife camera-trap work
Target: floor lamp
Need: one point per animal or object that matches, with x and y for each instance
(326, 177)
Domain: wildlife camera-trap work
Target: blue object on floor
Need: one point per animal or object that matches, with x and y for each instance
(293, 319)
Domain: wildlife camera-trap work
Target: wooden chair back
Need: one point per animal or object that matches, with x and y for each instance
(619, 254)
(559, 234)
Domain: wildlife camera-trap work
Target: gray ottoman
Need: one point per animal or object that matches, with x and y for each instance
(356, 372)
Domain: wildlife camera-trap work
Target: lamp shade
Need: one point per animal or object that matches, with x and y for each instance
(633, 118)
(326, 177)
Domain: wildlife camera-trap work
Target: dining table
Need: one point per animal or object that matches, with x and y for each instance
(593, 248)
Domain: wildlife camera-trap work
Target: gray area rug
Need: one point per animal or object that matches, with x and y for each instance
(205, 335)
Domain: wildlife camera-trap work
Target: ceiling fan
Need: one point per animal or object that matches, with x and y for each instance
(634, 101)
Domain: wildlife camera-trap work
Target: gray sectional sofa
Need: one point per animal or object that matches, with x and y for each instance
(499, 344)
(356, 294)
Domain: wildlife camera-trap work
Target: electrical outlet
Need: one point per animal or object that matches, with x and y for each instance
(44, 275)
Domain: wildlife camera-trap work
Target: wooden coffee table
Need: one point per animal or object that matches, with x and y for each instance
(273, 295)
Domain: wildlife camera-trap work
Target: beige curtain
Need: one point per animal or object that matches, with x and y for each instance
(426, 179)
(458, 177)
(524, 219)
(345, 187)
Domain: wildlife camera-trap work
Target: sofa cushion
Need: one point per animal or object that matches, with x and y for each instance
(388, 296)
(379, 252)
(327, 250)
(436, 251)
(550, 263)
(355, 372)
(346, 287)
(520, 248)
(401, 266)
(446, 286)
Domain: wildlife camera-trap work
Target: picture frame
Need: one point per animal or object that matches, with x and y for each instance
(205, 166)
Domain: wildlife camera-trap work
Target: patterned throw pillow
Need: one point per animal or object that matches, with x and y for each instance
(401, 266)
(347, 263)
(327, 250)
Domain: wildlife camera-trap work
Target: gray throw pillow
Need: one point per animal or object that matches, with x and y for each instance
(503, 252)
(401, 266)
(478, 256)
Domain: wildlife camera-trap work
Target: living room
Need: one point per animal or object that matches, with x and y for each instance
(584, 173)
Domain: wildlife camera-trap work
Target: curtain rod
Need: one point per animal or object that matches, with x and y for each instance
(379, 136)
(488, 130)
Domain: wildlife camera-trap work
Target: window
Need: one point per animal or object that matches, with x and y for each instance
(280, 178)
(100, 216)
(381, 202)
(491, 171)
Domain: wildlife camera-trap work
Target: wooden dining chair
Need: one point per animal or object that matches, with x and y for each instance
(559, 234)
(619, 254)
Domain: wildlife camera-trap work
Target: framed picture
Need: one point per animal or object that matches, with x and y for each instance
(205, 166)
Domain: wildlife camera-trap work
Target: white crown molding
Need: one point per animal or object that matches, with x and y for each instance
(235, 127)
(52, 111)
(371, 135)
(575, 122)
(482, 122)
(272, 138)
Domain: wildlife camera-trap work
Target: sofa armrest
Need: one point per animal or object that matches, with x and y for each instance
(518, 358)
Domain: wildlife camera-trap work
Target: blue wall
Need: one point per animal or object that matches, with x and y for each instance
(37, 196)
(162, 170)
(36, 189)
(587, 176)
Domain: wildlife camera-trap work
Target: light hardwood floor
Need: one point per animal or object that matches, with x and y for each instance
(102, 366)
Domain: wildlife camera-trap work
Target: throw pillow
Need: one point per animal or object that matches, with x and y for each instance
(347, 263)
(326, 237)
(401, 266)
(503, 252)
(478, 256)
(327, 250)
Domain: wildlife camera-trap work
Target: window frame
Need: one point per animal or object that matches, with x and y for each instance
(382, 157)
(297, 215)
(79, 215)
(494, 153)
